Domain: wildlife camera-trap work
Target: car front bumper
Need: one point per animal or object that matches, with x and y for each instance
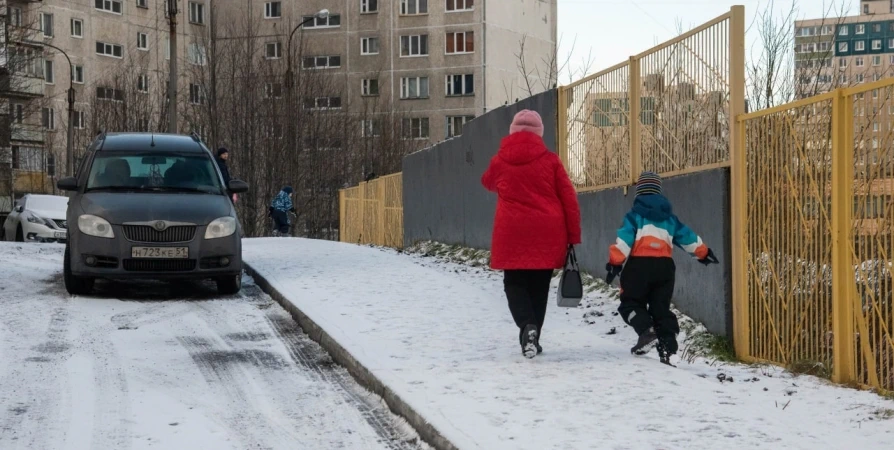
(42, 233)
(112, 258)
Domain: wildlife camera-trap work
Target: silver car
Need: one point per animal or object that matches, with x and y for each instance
(151, 206)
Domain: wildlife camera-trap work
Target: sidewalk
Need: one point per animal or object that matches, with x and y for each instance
(440, 336)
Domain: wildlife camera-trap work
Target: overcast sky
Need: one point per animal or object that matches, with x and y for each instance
(616, 29)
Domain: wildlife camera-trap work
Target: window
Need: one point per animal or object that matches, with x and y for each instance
(413, 7)
(369, 87)
(273, 90)
(890, 43)
(112, 6)
(842, 62)
(369, 46)
(322, 102)
(48, 119)
(196, 13)
(49, 75)
(143, 83)
(332, 21)
(369, 6)
(843, 30)
(51, 165)
(891, 60)
(455, 124)
(865, 9)
(460, 85)
(142, 41)
(196, 54)
(876, 77)
(15, 16)
(143, 4)
(828, 30)
(272, 10)
(461, 42)
(321, 62)
(859, 78)
(460, 5)
(858, 61)
(415, 128)
(196, 96)
(413, 87)
(842, 79)
(274, 50)
(371, 128)
(876, 28)
(876, 60)
(77, 28)
(860, 46)
(861, 29)
(877, 44)
(105, 93)
(842, 47)
(79, 74)
(18, 112)
(414, 45)
(46, 24)
(113, 50)
(824, 46)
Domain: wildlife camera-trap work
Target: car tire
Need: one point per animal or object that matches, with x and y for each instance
(20, 235)
(74, 285)
(229, 285)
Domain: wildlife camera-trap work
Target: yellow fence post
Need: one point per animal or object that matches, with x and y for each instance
(844, 341)
(562, 127)
(380, 235)
(633, 98)
(361, 191)
(738, 183)
(342, 228)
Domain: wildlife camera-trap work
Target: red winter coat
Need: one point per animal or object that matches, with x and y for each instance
(537, 211)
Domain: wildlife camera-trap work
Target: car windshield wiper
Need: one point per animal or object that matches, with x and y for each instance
(112, 188)
(174, 189)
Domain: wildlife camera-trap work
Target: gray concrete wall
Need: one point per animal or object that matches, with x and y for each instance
(701, 201)
(445, 202)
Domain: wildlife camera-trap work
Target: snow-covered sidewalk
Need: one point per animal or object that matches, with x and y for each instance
(440, 336)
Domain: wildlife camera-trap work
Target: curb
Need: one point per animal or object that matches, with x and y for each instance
(361, 374)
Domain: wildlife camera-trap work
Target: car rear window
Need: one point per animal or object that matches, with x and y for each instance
(154, 171)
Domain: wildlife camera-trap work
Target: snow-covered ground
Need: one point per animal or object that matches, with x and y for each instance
(128, 370)
(440, 335)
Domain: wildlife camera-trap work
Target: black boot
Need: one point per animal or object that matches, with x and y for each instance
(529, 341)
(642, 344)
(667, 346)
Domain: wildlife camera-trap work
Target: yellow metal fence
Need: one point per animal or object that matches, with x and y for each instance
(814, 236)
(670, 109)
(372, 213)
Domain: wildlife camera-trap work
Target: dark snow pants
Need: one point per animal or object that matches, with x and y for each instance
(528, 293)
(280, 221)
(647, 286)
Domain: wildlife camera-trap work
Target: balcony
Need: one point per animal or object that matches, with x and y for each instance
(14, 85)
(29, 134)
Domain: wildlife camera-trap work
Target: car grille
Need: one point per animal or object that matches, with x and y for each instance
(61, 224)
(145, 233)
(159, 265)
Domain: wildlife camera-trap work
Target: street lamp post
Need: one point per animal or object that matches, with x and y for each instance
(69, 154)
(322, 14)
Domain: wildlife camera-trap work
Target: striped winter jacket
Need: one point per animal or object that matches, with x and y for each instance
(651, 230)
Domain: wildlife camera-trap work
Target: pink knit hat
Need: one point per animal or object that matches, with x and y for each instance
(527, 120)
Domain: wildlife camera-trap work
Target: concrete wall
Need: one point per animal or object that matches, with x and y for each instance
(445, 202)
(443, 197)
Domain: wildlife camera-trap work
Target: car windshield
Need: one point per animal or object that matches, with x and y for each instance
(47, 203)
(154, 172)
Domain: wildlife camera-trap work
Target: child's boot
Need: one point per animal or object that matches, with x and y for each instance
(667, 346)
(645, 340)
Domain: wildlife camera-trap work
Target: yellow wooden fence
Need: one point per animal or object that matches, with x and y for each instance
(813, 230)
(372, 213)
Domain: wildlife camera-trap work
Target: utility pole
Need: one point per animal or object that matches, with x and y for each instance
(172, 67)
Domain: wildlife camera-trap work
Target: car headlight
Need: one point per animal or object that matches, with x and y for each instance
(34, 218)
(95, 226)
(223, 227)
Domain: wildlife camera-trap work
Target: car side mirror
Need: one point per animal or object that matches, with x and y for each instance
(68, 184)
(20, 209)
(238, 186)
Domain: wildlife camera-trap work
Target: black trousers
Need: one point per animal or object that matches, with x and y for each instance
(528, 293)
(280, 221)
(647, 287)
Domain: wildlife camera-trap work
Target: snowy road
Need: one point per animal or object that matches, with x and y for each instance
(128, 370)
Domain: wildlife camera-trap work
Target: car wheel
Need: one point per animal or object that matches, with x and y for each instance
(74, 285)
(229, 285)
(20, 235)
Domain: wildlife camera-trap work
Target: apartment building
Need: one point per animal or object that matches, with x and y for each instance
(438, 63)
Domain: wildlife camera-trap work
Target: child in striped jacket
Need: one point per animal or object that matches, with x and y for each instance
(645, 243)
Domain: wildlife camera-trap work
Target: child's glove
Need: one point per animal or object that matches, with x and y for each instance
(613, 271)
(709, 258)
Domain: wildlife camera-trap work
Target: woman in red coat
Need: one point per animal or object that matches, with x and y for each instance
(537, 219)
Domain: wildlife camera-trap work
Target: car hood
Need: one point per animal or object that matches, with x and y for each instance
(120, 208)
(48, 213)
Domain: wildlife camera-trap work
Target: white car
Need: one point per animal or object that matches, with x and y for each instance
(38, 218)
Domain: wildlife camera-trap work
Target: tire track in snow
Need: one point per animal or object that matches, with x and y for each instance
(309, 355)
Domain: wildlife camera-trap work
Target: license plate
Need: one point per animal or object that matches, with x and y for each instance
(60, 235)
(160, 252)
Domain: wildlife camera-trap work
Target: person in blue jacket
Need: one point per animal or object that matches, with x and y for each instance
(645, 243)
(279, 211)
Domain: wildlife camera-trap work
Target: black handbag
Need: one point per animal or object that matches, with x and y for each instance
(571, 286)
